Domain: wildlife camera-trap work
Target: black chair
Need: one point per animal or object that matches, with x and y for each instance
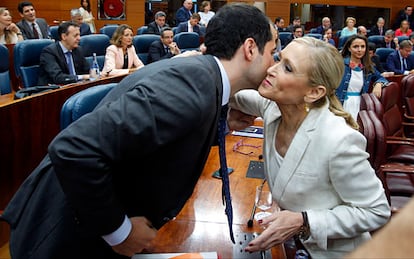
(95, 43)
(187, 41)
(142, 43)
(5, 84)
(82, 103)
(27, 58)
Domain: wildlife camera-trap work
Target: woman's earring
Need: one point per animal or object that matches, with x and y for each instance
(307, 109)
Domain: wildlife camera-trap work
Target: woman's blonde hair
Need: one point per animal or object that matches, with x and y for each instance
(326, 69)
(119, 33)
(7, 33)
(350, 19)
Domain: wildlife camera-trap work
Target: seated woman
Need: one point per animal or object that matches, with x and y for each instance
(315, 161)
(404, 29)
(9, 32)
(359, 74)
(121, 57)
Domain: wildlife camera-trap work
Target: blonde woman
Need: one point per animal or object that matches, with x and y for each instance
(329, 195)
(350, 28)
(404, 29)
(9, 32)
(121, 57)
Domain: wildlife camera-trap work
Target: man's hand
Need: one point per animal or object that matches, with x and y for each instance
(142, 233)
(238, 120)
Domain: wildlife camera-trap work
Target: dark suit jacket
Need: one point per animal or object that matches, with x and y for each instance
(183, 27)
(382, 44)
(157, 52)
(375, 31)
(394, 63)
(376, 60)
(54, 69)
(85, 29)
(182, 15)
(27, 30)
(153, 28)
(140, 153)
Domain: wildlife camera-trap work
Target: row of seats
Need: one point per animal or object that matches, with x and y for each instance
(26, 54)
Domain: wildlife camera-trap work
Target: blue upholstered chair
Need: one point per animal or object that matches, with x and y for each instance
(383, 53)
(401, 38)
(27, 58)
(187, 41)
(142, 43)
(108, 29)
(95, 43)
(314, 35)
(342, 40)
(5, 85)
(53, 30)
(142, 30)
(82, 102)
(376, 39)
(284, 36)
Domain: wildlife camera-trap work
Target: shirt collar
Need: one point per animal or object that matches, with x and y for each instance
(225, 81)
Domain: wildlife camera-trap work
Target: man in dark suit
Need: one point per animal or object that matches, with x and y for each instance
(378, 28)
(405, 14)
(184, 13)
(190, 25)
(63, 62)
(326, 24)
(400, 61)
(389, 40)
(158, 24)
(30, 26)
(163, 48)
(117, 174)
(76, 17)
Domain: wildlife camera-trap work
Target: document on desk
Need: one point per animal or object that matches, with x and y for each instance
(201, 255)
(251, 131)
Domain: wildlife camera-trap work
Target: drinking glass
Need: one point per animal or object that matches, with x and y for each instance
(264, 202)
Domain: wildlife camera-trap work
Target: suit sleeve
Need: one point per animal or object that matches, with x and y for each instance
(55, 67)
(391, 59)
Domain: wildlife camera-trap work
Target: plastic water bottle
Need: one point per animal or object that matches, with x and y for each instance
(94, 72)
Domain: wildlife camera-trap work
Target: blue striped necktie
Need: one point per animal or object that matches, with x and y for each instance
(223, 169)
(70, 63)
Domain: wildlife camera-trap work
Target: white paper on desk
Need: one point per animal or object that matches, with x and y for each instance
(201, 255)
(252, 131)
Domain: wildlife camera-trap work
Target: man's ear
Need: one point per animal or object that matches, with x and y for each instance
(315, 93)
(249, 48)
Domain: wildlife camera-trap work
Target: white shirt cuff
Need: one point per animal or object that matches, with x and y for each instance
(119, 235)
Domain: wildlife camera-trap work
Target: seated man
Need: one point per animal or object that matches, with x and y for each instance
(77, 18)
(400, 61)
(158, 24)
(63, 62)
(163, 48)
(30, 26)
(389, 40)
(191, 25)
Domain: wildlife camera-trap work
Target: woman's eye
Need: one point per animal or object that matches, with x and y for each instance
(287, 68)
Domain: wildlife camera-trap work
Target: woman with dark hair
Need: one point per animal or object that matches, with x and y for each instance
(87, 15)
(359, 74)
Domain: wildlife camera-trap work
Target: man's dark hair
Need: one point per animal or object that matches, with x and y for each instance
(63, 28)
(164, 30)
(21, 5)
(277, 19)
(232, 25)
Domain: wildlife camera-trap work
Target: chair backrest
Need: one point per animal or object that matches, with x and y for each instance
(95, 43)
(284, 36)
(27, 58)
(376, 39)
(53, 30)
(370, 102)
(174, 30)
(407, 90)
(401, 38)
(367, 129)
(342, 40)
(142, 43)
(187, 41)
(391, 101)
(5, 85)
(108, 29)
(142, 30)
(383, 53)
(314, 35)
(83, 102)
(313, 30)
(380, 144)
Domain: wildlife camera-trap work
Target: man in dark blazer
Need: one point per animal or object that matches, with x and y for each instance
(114, 176)
(29, 23)
(400, 61)
(76, 17)
(55, 65)
(190, 25)
(389, 40)
(184, 13)
(158, 24)
(379, 28)
(163, 48)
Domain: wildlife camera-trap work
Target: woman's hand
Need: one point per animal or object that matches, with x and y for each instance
(377, 90)
(280, 226)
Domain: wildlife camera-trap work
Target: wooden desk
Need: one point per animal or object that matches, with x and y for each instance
(26, 128)
(202, 224)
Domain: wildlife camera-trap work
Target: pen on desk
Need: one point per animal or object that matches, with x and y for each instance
(250, 222)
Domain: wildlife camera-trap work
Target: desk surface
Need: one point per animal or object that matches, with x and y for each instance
(202, 225)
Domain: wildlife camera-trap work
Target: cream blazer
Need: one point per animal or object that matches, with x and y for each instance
(325, 172)
(114, 60)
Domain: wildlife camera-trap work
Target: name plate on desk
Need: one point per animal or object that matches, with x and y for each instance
(201, 255)
(251, 131)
